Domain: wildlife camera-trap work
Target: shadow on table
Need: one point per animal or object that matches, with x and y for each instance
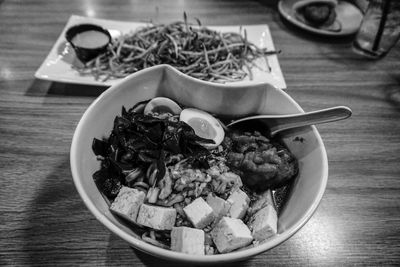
(59, 230)
(156, 262)
(119, 252)
(52, 213)
(392, 93)
(42, 88)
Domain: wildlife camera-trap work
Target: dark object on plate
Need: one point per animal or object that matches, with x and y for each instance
(88, 40)
(318, 13)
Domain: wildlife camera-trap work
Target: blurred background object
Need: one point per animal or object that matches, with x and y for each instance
(361, 4)
(380, 29)
(323, 17)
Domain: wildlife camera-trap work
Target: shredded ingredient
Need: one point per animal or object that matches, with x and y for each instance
(192, 49)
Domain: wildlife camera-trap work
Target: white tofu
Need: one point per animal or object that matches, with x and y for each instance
(239, 204)
(158, 218)
(187, 240)
(261, 201)
(264, 223)
(127, 203)
(230, 234)
(219, 205)
(199, 213)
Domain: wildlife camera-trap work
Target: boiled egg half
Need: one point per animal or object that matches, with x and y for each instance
(162, 105)
(204, 125)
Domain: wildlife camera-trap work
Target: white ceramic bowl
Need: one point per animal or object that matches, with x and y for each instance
(233, 100)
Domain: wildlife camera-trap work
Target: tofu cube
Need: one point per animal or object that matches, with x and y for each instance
(264, 223)
(219, 205)
(261, 201)
(127, 203)
(239, 204)
(158, 218)
(187, 240)
(199, 213)
(230, 234)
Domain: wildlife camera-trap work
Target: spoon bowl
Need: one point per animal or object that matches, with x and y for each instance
(278, 123)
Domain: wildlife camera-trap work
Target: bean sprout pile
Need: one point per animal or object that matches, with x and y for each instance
(192, 49)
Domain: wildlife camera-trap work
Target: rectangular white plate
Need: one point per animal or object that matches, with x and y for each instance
(57, 65)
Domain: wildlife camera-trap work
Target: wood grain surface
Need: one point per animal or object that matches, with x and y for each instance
(43, 221)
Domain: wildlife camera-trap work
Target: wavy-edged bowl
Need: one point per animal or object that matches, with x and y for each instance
(234, 101)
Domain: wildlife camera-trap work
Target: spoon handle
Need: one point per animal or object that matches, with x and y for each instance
(310, 118)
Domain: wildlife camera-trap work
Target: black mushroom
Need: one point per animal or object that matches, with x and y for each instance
(261, 163)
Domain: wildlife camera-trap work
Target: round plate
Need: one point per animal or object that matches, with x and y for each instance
(347, 14)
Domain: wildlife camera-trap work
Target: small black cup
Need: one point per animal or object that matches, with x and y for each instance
(86, 54)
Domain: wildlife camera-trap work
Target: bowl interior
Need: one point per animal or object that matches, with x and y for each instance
(235, 101)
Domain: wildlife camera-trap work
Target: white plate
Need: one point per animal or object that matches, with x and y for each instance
(349, 16)
(58, 64)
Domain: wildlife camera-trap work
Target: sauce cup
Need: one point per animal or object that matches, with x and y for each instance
(88, 40)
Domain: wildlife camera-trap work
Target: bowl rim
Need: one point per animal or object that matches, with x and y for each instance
(178, 256)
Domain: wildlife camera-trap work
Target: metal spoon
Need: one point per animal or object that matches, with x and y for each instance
(277, 123)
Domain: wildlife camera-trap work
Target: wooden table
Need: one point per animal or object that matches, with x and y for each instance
(44, 222)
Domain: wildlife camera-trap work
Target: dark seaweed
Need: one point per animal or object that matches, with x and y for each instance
(99, 147)
(138, 141)
(107, 182)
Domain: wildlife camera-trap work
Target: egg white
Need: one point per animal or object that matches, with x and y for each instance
(189, 113)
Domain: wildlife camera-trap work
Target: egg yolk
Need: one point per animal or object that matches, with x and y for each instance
(202, 128)
(162, 109)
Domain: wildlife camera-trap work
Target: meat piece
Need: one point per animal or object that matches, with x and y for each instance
(260, 163)
(226, 181)
(166, 186)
